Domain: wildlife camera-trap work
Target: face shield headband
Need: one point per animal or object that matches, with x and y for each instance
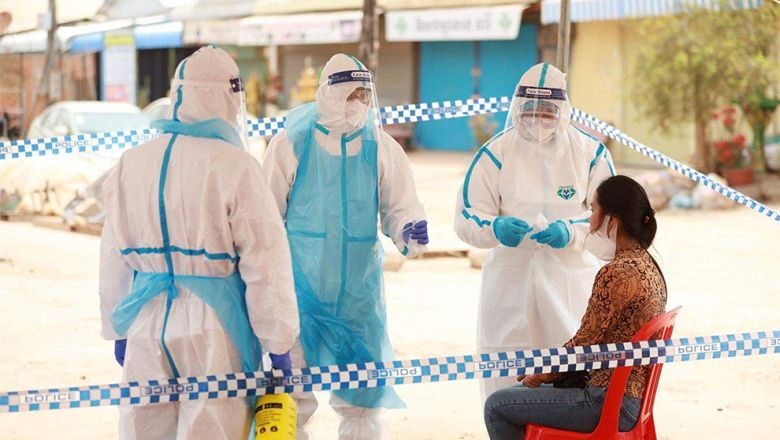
(540, 93)
(363, 76)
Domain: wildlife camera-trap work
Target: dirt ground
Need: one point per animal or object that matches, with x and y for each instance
(721, 266)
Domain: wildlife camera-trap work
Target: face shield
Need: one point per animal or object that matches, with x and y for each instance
(542, 113)
(242, 124)
(538, 112)
(354, 100)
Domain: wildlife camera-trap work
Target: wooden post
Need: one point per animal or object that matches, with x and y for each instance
(369, 43)
(52, 50)
(564, 36)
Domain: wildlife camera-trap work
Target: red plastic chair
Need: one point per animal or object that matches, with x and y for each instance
(659, 327)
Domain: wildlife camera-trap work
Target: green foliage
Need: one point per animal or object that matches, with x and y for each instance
(695, 61)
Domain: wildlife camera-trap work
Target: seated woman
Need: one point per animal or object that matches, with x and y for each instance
(628, 292)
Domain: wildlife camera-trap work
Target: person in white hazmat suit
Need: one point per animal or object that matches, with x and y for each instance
(526, 196)
(333, 172)
(195, 270)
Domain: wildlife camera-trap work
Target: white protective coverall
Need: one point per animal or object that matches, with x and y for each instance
(533, 296)
(397, 205)
(185, 214)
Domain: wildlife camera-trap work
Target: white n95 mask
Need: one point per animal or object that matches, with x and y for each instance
(539, 119)
(355, 114)
(602, 244)
(539, 131)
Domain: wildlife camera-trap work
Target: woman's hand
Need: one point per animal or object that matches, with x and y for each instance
(534, 380)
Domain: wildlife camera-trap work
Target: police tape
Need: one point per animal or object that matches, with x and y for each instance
(399, 114)
(105, 141)
(685, 170)
(382, 374)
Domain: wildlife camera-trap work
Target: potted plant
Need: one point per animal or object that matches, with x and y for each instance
(758, 113)
(732, 157)
(483, 127)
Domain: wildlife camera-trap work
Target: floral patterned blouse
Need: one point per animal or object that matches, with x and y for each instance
(628, 292)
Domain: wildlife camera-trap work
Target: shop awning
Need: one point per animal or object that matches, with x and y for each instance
(324, 28)
(212, 10)
(23, 42)
(87, 43)
(179, 10)
(150, 36)
(25, 14)
(35, 41)
(88, 37)
(159, 36)
(602, 10)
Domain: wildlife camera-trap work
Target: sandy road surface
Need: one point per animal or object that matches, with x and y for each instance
(722, 267)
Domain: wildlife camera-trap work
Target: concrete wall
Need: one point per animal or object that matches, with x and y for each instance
(602, 63)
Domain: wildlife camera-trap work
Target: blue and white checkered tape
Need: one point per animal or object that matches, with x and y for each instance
(685, 170)
(381, 374)
(399, 114)
(80, 143)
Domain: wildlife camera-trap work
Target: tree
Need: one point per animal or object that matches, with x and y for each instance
(699, 59)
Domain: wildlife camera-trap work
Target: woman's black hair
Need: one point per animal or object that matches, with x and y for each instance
(624, 198)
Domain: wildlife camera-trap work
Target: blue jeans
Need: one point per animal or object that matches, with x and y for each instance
(507, 411)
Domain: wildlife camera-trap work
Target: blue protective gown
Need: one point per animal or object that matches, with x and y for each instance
(337, 259)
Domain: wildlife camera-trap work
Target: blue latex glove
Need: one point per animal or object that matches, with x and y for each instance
(417, 232)
(281, 361)
(556, 235)
(120, 345)
(510, 231)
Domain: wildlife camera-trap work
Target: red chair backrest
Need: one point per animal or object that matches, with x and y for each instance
(659, 327)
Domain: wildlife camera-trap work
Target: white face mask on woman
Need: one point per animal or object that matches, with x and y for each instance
(602, 243)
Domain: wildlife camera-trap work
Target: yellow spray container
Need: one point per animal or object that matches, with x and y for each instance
(276, 417)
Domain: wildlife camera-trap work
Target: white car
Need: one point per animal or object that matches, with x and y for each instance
(157, 109)
(81, 117)
(87, 206)
(46, 184)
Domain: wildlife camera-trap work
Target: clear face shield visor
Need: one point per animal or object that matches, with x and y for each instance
(544, 113)
(242, 124)
(539, 112)
(360, 103)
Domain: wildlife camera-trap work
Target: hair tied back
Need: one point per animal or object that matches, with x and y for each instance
(650, 214)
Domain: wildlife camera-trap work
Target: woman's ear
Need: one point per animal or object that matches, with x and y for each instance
(613, 226)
